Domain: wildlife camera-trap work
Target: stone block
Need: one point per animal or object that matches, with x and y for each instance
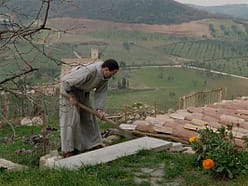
(49, 159)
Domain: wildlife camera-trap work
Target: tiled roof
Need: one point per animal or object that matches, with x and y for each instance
(184, 124)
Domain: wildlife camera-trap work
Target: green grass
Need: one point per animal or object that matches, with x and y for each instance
(178, 169)
(154, 85)
(135, 48)
(160, 86)
(147, 85)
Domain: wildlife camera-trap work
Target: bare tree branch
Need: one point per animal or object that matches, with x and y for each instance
(15, 30)
(18, 75)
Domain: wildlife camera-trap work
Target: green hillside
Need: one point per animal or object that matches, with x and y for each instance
(163, 86)
(133, 48)
(139, 11)
(225, 50)
(129, 11)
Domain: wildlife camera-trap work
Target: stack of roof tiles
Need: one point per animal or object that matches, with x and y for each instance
(184, 123)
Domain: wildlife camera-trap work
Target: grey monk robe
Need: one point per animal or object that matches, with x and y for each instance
(79, 129)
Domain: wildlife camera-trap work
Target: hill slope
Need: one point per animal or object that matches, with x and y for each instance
(139, 11)
(239, 11)
(129, 11)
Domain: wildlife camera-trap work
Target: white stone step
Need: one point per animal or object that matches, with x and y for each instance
(112, 152)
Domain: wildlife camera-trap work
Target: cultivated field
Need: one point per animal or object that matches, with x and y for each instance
(164, 86)
(194, 28)
(141, 45)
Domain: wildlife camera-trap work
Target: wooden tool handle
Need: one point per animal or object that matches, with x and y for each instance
(92, 111)
(112, 123)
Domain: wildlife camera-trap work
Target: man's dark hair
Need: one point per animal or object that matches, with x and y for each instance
(111, 64)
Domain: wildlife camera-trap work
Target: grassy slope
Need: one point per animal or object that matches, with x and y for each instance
(157, 89)
(178, 168)
(138, 48)
(121, 172)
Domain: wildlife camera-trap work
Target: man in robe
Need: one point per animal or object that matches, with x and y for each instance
(78, 128)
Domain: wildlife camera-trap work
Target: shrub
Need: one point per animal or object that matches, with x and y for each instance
(216, 152)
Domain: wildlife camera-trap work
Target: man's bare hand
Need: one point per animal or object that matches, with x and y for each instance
(72, 100)
(100, 113)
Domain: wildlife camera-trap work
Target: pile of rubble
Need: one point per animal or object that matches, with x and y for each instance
(183, 124)
(136, 111)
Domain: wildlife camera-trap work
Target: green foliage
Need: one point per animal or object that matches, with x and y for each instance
(123, 83)
(225, 53)
(178, 168)
(229, 161)
(207, 49)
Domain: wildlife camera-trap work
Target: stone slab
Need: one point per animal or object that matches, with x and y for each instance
(112, 152)
(6, 164)
(127, 126)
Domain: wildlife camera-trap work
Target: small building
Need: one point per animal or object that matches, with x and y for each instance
(69, 63)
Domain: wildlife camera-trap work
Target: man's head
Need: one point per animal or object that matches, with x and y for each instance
(109, 68)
